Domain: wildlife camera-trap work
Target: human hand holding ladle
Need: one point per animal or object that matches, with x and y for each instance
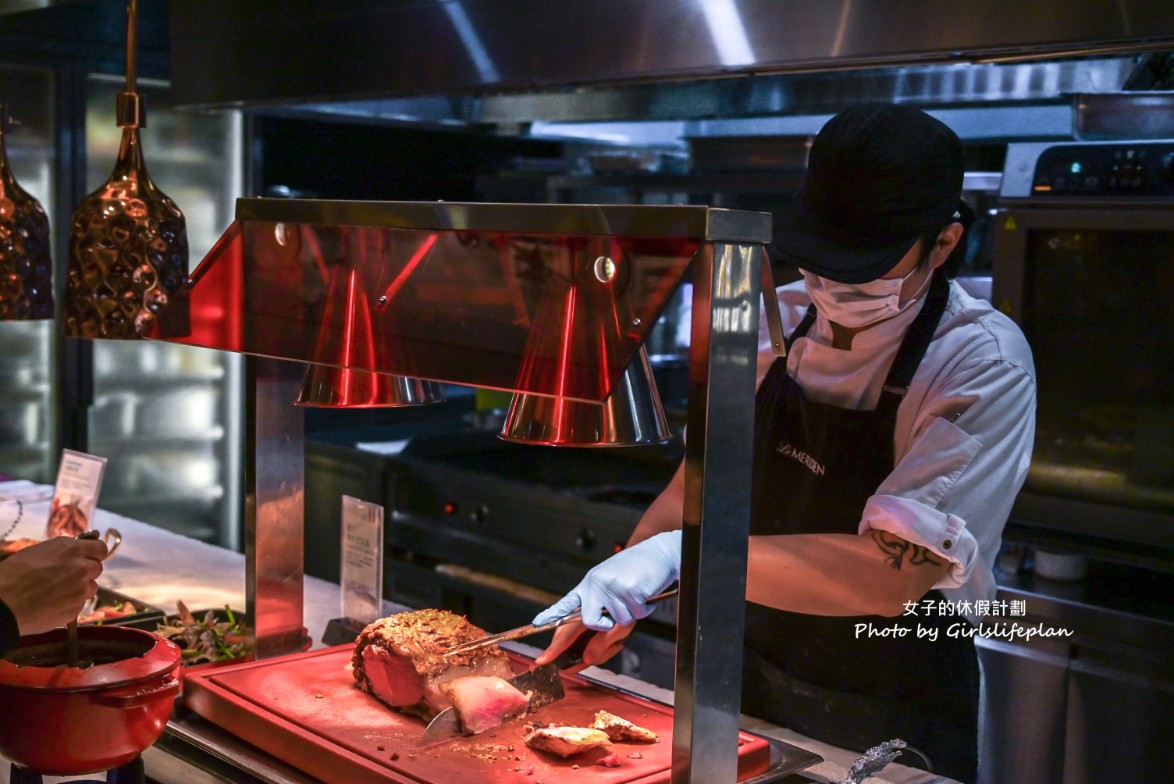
(71, 627)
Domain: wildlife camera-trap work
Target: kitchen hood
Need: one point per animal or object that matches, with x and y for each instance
(1007, 70)
(229, 53)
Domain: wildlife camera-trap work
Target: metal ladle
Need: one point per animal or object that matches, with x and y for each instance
(71, 627)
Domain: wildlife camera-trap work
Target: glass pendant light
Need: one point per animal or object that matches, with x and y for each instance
(128, 248)
(26, 266)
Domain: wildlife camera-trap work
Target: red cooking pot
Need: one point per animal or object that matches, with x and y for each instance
(61, 720)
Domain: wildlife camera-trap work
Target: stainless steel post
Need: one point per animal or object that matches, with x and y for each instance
(273, 500)
(718, 456)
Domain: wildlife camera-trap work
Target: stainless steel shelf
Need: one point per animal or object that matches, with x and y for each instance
(152, 442)
(121, 380)
(8, 451)
(24, 392)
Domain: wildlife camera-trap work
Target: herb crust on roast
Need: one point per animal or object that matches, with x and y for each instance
(399, 659)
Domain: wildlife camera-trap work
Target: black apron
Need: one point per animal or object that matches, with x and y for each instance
(815, 465)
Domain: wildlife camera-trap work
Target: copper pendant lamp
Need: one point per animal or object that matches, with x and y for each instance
(26, 266)
(128, 248)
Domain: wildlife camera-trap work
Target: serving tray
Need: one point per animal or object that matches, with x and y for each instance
(305, 709)
(145, 616)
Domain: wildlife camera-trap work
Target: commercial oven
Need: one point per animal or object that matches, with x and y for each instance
(1083, 248)
(1083, 258)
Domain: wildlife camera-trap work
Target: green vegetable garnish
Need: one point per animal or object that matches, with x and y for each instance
(206, 639)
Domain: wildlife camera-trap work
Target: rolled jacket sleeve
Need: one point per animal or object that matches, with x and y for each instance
(910, 501)
(955, 481)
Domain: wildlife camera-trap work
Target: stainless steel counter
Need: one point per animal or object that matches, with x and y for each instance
(1132, 606)
(1106, 683)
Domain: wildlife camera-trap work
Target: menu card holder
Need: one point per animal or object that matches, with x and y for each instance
(75, 496)
(361, 583)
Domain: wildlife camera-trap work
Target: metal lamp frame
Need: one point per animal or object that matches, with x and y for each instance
(727, 273)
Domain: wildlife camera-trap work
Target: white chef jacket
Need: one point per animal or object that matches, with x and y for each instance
(964, 431)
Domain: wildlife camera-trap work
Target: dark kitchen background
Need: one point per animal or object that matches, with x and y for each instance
(649, 103)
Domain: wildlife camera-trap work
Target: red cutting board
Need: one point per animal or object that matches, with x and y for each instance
(304, 708)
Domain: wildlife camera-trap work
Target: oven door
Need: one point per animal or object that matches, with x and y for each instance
(1090, 284)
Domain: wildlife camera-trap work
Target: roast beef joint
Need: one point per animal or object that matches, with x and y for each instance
(399, 660)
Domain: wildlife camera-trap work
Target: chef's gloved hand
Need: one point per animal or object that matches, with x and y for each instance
(622, 585)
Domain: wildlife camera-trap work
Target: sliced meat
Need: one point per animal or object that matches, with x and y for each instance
(620, 730)
(566, 741)
(398, 659)
(483, 701)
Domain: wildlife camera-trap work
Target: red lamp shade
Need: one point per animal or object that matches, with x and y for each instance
(589, 299)
(346, 343)
(632, 415)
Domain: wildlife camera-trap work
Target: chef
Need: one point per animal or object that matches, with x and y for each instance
(889, 445)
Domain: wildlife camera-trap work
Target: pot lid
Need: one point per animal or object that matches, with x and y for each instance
(120, 655)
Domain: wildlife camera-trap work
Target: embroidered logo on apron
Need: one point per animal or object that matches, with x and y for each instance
(813, 465)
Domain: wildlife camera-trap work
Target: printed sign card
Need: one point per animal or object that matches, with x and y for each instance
(75, 496)
(362, 561)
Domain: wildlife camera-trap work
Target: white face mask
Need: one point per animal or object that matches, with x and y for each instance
(855, 305)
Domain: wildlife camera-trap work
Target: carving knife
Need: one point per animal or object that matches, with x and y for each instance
(544, 684)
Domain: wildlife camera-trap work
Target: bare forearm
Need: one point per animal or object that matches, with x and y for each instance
(822, 574)
(840, 574)
(664, 513)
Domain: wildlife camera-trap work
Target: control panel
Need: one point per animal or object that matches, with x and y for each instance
(1126, 169)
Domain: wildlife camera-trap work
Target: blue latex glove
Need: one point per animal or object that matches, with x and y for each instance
(622, 584)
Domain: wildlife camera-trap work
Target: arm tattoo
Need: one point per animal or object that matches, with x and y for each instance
(898, 550)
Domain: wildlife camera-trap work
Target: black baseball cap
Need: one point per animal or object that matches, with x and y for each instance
(878, 177)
